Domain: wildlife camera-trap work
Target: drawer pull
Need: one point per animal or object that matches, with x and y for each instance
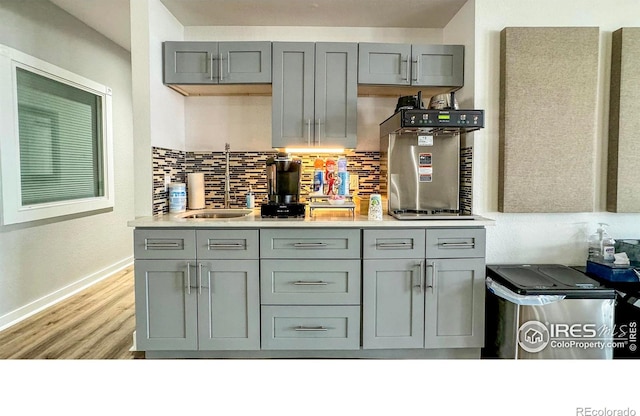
(457, 245)
(217, 246)
(148, 245)
(311, 328)
(309, 245)
(303, 283)
(394, 245)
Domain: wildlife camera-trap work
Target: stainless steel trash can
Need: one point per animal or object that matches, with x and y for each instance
(547, 311)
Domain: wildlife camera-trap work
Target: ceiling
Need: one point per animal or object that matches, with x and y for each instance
(111, 17)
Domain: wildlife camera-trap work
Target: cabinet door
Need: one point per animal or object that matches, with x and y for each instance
(190, 62)
(293, 94)
(392, 304)
(228, 305)
(166, 305)
(438, 65)
(244, 62)
(384, 63)
(336, 94)
(454, 303)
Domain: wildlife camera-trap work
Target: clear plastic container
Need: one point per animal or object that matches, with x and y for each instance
(608, 247)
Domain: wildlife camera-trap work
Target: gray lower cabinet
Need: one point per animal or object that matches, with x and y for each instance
(315, 94)
(454, 303)
(198, 302)
(310, 289)
(414, 300)
(392, 304)
(417, 65)
(166, 305)
(217, 62)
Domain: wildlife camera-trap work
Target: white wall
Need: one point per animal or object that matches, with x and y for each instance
(44, 260)
(542, 237)
(213, 121)
(158, 110)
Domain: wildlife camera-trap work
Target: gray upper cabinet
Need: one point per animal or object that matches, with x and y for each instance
(315, 93)
(411, 65)
(217, 62)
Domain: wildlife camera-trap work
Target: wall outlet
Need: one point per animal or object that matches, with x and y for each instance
(167, 181)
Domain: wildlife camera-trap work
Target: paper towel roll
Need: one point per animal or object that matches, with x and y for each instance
(195, 190)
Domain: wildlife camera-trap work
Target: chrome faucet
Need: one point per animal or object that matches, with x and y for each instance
(227, 177)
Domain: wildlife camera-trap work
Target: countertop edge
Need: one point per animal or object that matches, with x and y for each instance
(255, 221)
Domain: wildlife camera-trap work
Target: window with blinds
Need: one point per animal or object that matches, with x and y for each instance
(55, 140)
(59, 129)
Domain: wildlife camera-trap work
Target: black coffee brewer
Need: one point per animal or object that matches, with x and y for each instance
(283, 187)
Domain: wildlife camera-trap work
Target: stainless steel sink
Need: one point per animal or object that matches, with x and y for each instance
(215, 213)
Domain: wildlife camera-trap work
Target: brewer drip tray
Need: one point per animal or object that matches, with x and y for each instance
(432, 214)
(275, 210)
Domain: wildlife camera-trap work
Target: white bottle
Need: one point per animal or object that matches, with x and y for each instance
(608, 248)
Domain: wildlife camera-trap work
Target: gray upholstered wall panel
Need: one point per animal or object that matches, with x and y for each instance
(548, 91)
(623, 180)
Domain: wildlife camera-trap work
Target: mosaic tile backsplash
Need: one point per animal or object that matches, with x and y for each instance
(247, 169)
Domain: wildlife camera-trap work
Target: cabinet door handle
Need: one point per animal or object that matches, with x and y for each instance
(188, 278)
(318, 131)
(308, 132)
(211, 59)
(406, 69)
(216, 246)
(149, 245)
(306, 283)
(221, 68)
(311, 328)
(199, 278)
(417, 72)
(431, 277)
(309, 245)
(457, 245)
(393, 245)
(420, 267)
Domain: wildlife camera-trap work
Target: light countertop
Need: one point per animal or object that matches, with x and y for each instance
(319, 219)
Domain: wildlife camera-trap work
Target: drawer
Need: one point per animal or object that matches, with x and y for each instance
(227, 244)
(455, 242)
(310, 327)
(393, 244)
(310, 243)
(310, 282)
(164, 244)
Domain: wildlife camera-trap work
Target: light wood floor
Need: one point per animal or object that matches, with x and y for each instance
(97, 323)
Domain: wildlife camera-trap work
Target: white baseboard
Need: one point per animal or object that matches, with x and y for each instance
(44, 302)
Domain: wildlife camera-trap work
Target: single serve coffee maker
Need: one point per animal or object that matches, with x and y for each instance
(283, 187)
